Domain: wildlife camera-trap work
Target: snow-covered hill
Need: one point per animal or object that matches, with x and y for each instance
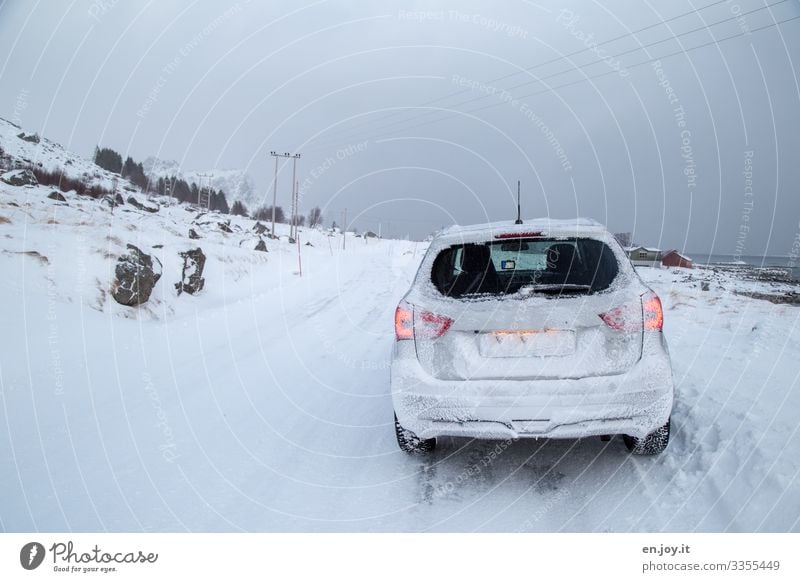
(32, 149)
(237, 184)
(262, 403)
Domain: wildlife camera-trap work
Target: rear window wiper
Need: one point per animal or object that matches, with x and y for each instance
(555, 288)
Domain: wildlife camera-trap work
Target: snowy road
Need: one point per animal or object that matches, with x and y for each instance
(264, 405)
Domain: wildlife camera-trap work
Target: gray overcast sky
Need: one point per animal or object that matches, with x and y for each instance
(661, 151)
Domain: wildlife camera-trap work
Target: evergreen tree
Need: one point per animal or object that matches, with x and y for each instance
(108, 159)
(219, 202)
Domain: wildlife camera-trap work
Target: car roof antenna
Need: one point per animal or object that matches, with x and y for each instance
(519, 216)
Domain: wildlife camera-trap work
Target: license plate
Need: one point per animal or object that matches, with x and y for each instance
(527, 343)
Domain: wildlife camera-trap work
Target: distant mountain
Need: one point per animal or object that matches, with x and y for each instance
(237, 184)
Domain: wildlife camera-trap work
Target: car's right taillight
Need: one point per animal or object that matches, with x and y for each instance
(403, 322)
(632, 317)
(652, 311)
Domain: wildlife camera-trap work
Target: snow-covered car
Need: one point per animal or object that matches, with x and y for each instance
(541, 330)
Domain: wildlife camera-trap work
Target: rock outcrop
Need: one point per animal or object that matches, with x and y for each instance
(136, 275)
(194, 261)
(29, 137)
(141, 206)
(20, 178)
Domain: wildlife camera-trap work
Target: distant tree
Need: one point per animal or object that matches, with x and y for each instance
(135, 173)
(265, 213)
(239, 209)
(219, 202)
(315, 216)
(299, 220)
(182, 191)
(108, 159)
(195, 194)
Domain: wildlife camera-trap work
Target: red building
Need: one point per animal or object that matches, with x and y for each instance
(674, 259)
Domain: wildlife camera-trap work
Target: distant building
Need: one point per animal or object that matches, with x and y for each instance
(674, 259)
(644, 256)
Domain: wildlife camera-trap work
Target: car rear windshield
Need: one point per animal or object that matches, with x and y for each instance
(527, 266)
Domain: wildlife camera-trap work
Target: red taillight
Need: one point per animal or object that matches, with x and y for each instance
(431, 326)
(403, 322)
(426, 325)
(632, 317)
(652, 311)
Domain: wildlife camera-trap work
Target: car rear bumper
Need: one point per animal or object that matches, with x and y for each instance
(634, 403)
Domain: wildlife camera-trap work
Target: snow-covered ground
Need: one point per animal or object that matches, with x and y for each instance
(263, 402)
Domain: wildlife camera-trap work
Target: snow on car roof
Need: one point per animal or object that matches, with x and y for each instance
(540, 226)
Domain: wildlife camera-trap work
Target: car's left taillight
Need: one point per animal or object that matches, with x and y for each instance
(403, 322)
(410, 323)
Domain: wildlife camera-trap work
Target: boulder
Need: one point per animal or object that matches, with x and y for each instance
(192, 275)
(110, 201)
(56, 196)
(29, 137)
(261, 245)
(193, 234)
(136, 276)
(225, 227)
(22, 177)
(260, 228)
(136, 204)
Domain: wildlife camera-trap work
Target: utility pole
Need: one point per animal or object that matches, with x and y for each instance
(296, 208)
(276, 155)
(294, 199)
(344, 230)
(200, 196)
(274, 191)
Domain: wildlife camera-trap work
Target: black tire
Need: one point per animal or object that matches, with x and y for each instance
(652, 444)
(411, 443)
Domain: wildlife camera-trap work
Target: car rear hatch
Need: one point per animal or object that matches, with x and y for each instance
(540, 308)
(564, 338)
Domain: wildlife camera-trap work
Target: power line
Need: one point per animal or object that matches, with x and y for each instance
(449, 114)
(548, 62)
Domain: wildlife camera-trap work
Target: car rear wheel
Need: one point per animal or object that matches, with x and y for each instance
(411, 443)
(652, 444)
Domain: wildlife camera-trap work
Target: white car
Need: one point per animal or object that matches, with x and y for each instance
(541, 330)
